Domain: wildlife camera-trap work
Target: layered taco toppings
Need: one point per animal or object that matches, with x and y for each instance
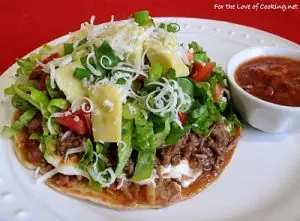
(123, 106)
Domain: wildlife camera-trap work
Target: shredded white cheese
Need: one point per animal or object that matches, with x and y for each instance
(168, 98)
(72, 151)
(107, 103)
(66, 134)
(49, 123)
(46, 176)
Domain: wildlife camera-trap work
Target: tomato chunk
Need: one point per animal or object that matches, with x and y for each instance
(79, 122)
(190, 56)
(182, 117)
(37, 72)
(42, 83)
(200, 71)
(50, 58)
(218, 92)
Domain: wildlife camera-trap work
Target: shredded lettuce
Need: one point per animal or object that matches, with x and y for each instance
(144, 165)
(124, 148)
(20, 103)
(145, 143)
(163, 132)
(53, 92)
(87, 157)
(26, 65)
(34, 96)
(175, 134)
(50, 145)
(57, 105)
(18, 125)
(88, 160)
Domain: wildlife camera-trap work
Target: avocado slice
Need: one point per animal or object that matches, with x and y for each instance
(107, 113)
(162, 55)
(71, 86)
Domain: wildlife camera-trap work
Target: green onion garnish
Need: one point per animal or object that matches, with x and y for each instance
(68, 48)
(81, 73)
(142, 18)
(171, 27)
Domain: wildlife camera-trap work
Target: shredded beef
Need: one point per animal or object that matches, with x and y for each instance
(129, 189)
(168, 191)
(35, 125)
(71, 141)
(65, 181)
(202, 153)
(34, 154)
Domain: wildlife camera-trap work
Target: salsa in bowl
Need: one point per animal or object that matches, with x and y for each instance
(265, 86)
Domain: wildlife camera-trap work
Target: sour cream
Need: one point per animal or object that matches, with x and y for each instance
(182, 172)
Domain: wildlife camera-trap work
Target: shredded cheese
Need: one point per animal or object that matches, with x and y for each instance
(76, 104)
(73, 150)
(46, 176)
(49, 123)
(109, 104)
(66, 134)
(36, 172)
(168, 98)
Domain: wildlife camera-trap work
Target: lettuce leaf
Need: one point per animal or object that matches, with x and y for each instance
(145, 143)
(18, 125)
(164, 131)
(87, 157)
(144, 165)
(124, 151)
(175, 134)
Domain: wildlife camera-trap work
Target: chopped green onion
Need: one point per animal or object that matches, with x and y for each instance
(171, 27)
(81, 73)
(142, 18)
(155, 73)
(68, 48)
(83, 41)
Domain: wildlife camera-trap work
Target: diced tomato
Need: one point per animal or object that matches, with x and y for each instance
(42, 83)
(74, 125)
(182, 117)
(86, 117)
(50, 58)
(79, 121)
(200, 71)
(190, 56)
(37, 72)
(140, 78)
(218, 92)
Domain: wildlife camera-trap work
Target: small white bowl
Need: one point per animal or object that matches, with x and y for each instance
(263, 115)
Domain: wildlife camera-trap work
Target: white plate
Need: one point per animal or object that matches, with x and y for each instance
(261, 183)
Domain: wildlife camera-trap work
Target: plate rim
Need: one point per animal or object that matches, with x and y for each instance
(163, 18)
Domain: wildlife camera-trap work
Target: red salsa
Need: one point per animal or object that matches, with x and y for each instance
(273, 79)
